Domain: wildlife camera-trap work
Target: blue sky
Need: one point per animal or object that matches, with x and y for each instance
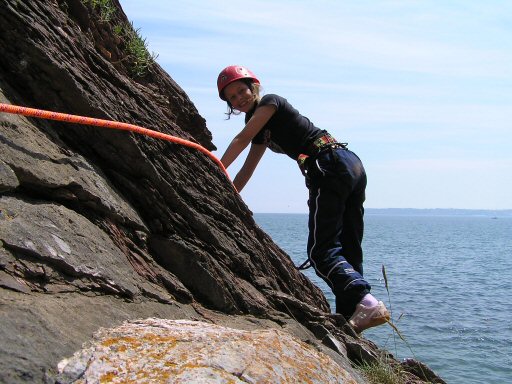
(421, 90)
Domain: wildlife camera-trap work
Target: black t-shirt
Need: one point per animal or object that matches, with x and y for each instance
(287, 131)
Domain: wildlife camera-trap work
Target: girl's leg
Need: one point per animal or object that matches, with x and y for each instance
(337, 193)
(353, 228)
(327, 208)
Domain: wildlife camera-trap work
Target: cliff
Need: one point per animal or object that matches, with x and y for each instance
(99, 227)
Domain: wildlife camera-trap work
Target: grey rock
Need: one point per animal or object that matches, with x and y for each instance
(8, 179)
(155, 350)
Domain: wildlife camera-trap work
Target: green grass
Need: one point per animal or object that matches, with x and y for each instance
(381, 373)
(137, 50)
(135, 46)
(105, 8)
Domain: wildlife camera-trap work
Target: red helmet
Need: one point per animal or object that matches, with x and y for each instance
(233, 73)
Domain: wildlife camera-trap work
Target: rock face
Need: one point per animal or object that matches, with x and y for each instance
(195, 352)
(100, 226)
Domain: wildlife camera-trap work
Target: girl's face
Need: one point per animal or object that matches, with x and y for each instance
(239, 94)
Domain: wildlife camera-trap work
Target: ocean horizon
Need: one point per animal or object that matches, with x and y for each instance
(422, 212)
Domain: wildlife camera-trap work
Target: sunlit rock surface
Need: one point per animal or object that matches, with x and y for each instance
(182, 351)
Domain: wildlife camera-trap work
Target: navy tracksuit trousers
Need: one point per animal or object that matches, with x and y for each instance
(337, 180)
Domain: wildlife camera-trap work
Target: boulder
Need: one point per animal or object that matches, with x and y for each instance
(184, 351)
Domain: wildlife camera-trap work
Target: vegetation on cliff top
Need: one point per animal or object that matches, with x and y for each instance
(135, 46)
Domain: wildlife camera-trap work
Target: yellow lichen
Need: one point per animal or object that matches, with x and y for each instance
(118, 340)
(108, 377)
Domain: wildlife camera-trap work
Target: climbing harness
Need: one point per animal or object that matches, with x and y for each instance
(49, 115)
(318, 145)
(324, 142)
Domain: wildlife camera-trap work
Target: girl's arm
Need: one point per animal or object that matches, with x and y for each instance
(253, 158)
(258, 120)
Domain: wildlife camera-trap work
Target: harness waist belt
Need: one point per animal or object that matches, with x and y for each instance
(318, 145)
(320, 142)
(323, 142)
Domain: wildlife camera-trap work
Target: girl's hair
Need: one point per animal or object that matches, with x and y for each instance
(255, 89)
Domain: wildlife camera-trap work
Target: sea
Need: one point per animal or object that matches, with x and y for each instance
(449, 285)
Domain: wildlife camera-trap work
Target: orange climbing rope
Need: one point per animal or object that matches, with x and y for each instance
(42, 114)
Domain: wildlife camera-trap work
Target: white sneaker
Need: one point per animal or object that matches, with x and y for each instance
(367, 317)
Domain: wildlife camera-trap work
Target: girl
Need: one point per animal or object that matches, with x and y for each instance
(336, 180)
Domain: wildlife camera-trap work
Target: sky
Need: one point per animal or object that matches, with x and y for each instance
(421, 90)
